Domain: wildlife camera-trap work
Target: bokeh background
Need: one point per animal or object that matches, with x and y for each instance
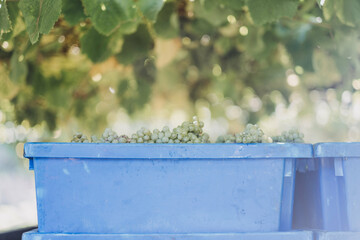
(280, 64)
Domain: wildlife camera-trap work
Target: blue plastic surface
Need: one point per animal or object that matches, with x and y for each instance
(328, 198)
(167, 151)
(298, 235)
(164, 188)
(337, 235)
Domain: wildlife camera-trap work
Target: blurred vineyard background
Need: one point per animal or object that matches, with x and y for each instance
(90, 64)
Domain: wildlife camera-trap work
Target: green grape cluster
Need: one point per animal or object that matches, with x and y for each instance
(79, 138)
(143, 135)
(190, 132)
(187, 132)
(109, 136)
(291, 136)
(251, 134)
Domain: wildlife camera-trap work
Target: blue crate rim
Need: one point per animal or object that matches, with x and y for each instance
(167, 151)
(289, 235)
(337, 150)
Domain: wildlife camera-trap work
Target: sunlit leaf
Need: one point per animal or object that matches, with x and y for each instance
(109, 15)
(348, 11)
(73, 11)
(135, 45)
(40, 16)
(150, 8)
(167, 25)
(5, 23)
(268, 11)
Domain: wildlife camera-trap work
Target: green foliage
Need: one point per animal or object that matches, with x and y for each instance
(263, 11)
(73, 11)
(13, 11)
(92, 41)
(135, 46)
(210, 8)
(5, 23)
(256, 54)
(40, 16)
(234, 4)
(109, 15)
(150, 9)
(167, 24)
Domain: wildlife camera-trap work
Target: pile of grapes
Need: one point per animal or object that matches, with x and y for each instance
(187, 132)
(251, 134)
(292, 136)
(190, 132)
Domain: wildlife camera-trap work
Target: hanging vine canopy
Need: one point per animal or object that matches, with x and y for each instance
(59, 59)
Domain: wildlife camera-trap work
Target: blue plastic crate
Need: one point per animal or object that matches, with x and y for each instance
(337, 236)
(164, 188)
(327, 196)
(296, 235)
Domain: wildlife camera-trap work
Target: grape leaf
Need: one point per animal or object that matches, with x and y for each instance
(73, 11)
(13, 11)
(135, 45)
(212, 12)
(348, 11)
(328, 9)
(40, 16)
(5, 23)
(166, 25)
(107, 15)
(150, 8)
(264, 11)
(234, 4)
(128, 27)
(99, 47)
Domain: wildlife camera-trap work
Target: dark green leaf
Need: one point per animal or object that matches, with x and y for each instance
(95, 45)
(329, 9)
(212, 12)
(128, 27)
(109, 15)
(234, 4)
(264, 11)
(40, 16)
(167, 25)
(5, 23)
(135, 45)
(73, 11)
(348, 11)
(150, 8)
(13, 11)
(199, 27)
(19, 68)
